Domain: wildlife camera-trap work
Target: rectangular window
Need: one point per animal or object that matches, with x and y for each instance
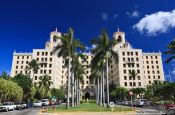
(147, 67)
(50, 59)
(158, 77)
(136, 53)
(41, 71)
(35, 77)
(17, 62)
(134, 84)
(125, 77)
(124, 71)
(46, 53)
(123, 53)
(139, 84)
(138, 77)
(158, 72)
(50, 71)
(37, 53)
(138, 71)
(124, 65)
(50, 65)
(128, 53)
(42, 53)
(137, 59)
(125, 83)
(130, 83)
(44, 71)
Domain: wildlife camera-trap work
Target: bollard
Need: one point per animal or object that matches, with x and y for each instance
(54, 109)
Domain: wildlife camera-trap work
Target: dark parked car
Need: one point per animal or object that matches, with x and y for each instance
(170, 111)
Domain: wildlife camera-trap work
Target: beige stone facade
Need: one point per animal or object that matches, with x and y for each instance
(148, 65)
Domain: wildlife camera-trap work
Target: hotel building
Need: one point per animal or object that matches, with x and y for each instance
(147, 65)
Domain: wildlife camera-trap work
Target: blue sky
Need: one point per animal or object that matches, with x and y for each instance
(25, 25)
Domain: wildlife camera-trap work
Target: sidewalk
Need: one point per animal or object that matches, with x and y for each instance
(90, 113)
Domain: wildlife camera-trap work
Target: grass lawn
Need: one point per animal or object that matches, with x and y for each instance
(88, 107)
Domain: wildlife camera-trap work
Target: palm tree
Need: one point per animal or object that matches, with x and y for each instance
(45, 81)
(66, 49)
(171, 51)
(80, 71)
(4, 75)
(33, 66)
(104, 50)
(98, 75)
(133, 74)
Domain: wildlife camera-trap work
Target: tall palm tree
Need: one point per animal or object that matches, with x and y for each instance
(133, 74)
(80, 71)
(66, 49)
(98, 75)
(171, 51)
(104, 50)
(33, 66)
(45, 81)
(4, 75)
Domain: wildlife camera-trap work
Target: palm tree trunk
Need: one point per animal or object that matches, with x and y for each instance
(78, 92)
(75, 93)
(98, 90)
(73, 87)
(68, 82)
(103, 90)
(107, 82)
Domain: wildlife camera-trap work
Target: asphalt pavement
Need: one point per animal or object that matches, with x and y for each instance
(33, 111)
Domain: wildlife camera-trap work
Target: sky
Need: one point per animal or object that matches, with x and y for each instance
(26, 24)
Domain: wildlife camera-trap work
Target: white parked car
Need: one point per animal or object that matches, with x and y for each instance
(142, 102)
(45, 102)
(37, 104)
(20, 105)
(7, 106)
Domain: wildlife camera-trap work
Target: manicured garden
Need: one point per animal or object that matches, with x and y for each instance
(88, 107)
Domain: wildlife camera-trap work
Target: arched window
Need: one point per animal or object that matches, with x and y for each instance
(119, 38)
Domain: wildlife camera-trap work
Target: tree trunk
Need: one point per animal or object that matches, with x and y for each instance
(68, 82)
(75, 93)
(107, 82)
(78, 92)
(103, 90)
(73, 87)
(98, 90)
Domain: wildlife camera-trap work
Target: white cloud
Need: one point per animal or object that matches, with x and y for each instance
(133, 14)
(159, 22)
(173, 72)
(93, 46)
(104, 16)
(87, 48)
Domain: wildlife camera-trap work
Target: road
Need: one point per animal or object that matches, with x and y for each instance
(33, 111)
